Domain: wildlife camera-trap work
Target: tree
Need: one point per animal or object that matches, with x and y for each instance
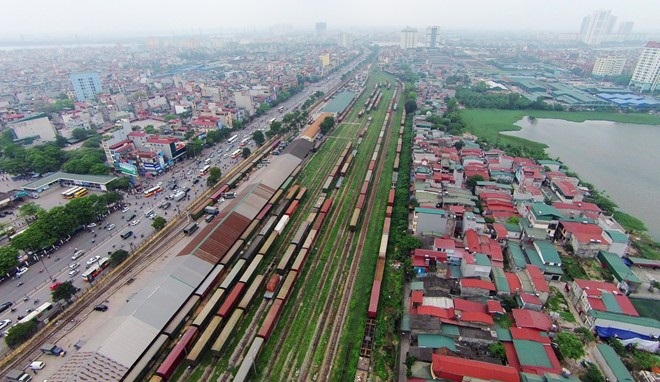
(246, 152)
(459, 145)
(472, 181)
(513, 220)
(64, 291)
(80, 134)
(122, 183)
(30, 210)
(150, 129)
(327, 124)
(8, 259)
(194, 147)
(497, 350)
(592, 374)
(410, 106)
(118, 256)
(20, 333)
(214, 176)
(159, 223)
(258, 137)
(585, 334)
(569, 346)
(189, 134)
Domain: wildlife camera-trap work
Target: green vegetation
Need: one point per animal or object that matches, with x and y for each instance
(258, 137)
(634, 359)
(20, 333)
(64, 291)
(215, 174)
(503, 321)
(159, 223)
(327, 124)
(572, 268)
(569, 346)
(630, 223)
(592, 374)
(557, 303)
(117, 257)
(479, 97)
(497, 350)
(585, 334)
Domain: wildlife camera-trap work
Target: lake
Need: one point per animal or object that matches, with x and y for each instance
(620, 159)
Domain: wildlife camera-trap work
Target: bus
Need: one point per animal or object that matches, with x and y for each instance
(7, 232)
(17, 233)
(236, 153)
(280, 109)
(37, 313)
(152, 191)
(233, 139)
(190, 228)
(271, 121)
(80, 193)
(68, 194)
(245, 141)
(95, 269)
(204, 170)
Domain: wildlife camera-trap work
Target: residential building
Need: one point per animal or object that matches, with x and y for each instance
(647, 71)
(627, 280)
(632, 328)
(588, 295)
(86, 85)
(408, 38)
(321, 29)
(430, 222)
(35, 127)
(460, 369)
(345, 40)
(475, 265)
(585, 238)
(432, 36)
(608, 66)
(597, 26)
(611, 365)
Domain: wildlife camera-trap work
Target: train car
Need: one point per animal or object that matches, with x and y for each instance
(319, 203)
(218, 194)
(192, 357)
(365, 188)
(268, 226)
(284, 220)
(372, 165)
(252, 249)
(287, 183)
(300, 234)
(293, 191)
(248, 362)
(373, 299)
(233, 274)
(229, 257)
(301, 193)
(340, 181)
(251, 292)
(326, 206)
(293, 207)
(382, 250)
(249, 230)
(396, 163)
(268, 243)
(368, 176)
(328, 183)
(286, 259)
(209, 309)
(279, 210)
(380, 269)
(374, 156)
(354, 219)
(264, 211)
(310, 239)
(143, 365)
(228, 330)
(311, 217)
(276, 197)
(233, 182)
(171, 362)
(181, 317)
(386, 226)
(211, 279)
(388, 211)
(318, 223)
(360, 201)
(299, 262)
(232, 299)
(155, 378)
(251, 269)
(296, 171)
(199, 211)
(344, 169)
(287, 286)
(270, 321)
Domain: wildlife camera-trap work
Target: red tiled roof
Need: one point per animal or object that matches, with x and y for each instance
(526, 318)
(597, 304)
(417, 297)
(529, 334)
(580, 206)
(530, 299)
(538, 281)
(626, 305)
(444, 243)
(476, 283)
(494, 306)
(435, 311)
(472, 240)
(454, 368)
(584, 232)
(500, 230)
(597, 286)
(477, 317)
(469, 306)
(429, 253)
(514, 282)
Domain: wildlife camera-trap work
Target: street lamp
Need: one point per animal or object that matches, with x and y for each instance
(45, 268)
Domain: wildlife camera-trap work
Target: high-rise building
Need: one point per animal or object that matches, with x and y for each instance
(321, 28)
(597, 26)
(86, 85)
(432, 36)
(345, 40)
(408, 38)
(609, 66)
(647, 71)
(625, 27)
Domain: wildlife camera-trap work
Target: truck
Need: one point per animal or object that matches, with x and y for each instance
(179, 195)
(211, 210)
(229, 195)
(18, 375)
(52, 349)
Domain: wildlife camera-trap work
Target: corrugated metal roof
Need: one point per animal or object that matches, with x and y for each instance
(614, 362)
(278, 170)
(224, 235)
(89, 366)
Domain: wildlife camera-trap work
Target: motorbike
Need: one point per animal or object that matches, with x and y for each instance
(36, 301)
(20, 283)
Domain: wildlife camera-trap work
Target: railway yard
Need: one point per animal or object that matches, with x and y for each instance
(284, 283)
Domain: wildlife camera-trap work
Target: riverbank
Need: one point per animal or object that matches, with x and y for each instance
(489, 123)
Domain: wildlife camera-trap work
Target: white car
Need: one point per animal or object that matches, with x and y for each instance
(4, 323)
(111, 227)
(91, 225)
(93, 260)
(135, 222)
(22, 271)
(74, 265)
(126, 209)
(73, 272)
(37, 365)
(159, 184)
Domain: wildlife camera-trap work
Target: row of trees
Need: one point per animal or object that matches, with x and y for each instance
(57, 223)
(479, 96)
(290, 122)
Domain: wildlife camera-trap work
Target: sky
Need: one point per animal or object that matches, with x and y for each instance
(27, 19)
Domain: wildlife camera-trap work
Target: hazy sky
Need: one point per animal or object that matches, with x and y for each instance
(37, 18)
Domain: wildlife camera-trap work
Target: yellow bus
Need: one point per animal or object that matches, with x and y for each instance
(80, 193)
(69, 194)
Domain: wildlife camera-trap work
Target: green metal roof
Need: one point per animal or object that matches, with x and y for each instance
(42, 182)
(614, 362)
(481, 259)
(339, 103)
(543, 211)
(405, 322)
(617, 236)
(531, 353)
(494, 184)
(435, 341)
(535, 259)
(517, 255)
(642, 261)
(548, 251)
(633, 320)
(548, 162)
(417, 285)
(432, 211)
(529, 377)
(618, 268)
(450, 330)
(500, 281)
(536, 233)
(551, 377)
(503, 334)
(610, 303)
(512, 227)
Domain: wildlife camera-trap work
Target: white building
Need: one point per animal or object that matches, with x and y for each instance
(35, 126)
(647, 71)
(408, 38)
(609, 66)
(597, 26)
(345, 40)
(432, 35)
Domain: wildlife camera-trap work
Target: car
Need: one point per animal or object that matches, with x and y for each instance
(159, 184)
(22, 271)
(172, 187)
(165, 205)
(91, 225)
(196, 181)
(126, 235)
(74, 265)
(4, 323)
(73, 272)
(132, 217)
(135, 222)
(126, 209)
(37, 365)
(111, 227)
(211, 155)
(101, 308)
(189, 172)
(77, 254)
(5, 306)
(225, 156)
(92, 260)
(54, 285)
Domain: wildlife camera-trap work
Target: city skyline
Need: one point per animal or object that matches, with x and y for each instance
(42, 19)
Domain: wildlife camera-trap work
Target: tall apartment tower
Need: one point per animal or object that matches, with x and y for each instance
(86, 85)
(345, 40)
(321, 28)
(646, 76)
(408, 38)
(609, 66)
(432, 36)
(597, 26)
